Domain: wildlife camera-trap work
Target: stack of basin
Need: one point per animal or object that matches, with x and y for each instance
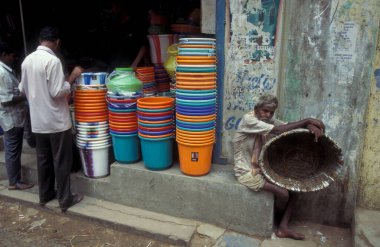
(162, 79)
(124, 88)
(147, 76)
(123, 126)
(195, 104)
(155, 128)
(92, 130)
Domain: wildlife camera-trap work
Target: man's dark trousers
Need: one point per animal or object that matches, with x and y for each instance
(54, 162)
(13, 140)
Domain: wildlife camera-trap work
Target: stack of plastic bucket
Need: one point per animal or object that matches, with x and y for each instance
(147, 76)
(123, 91)
(123, 127)
(162, 79)
(195, 104)
(92, 136)
(155, 127)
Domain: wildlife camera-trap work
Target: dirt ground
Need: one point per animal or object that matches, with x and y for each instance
(24, 225)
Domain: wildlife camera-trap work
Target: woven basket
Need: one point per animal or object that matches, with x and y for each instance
(293, 160)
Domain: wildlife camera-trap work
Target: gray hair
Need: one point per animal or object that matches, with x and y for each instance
(266, 99)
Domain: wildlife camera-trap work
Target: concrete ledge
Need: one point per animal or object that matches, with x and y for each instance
(216, 198)
(158, 226)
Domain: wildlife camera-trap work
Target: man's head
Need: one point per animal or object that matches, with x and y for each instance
(49, 36)
(7, 52)
(265, 107)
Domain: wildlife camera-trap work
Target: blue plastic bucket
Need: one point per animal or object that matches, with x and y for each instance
(154, 110)
(121, 110)
(156, 133)
(155, 125)
(155, 118)
(195, 108)
(195, 130)
(195, 97)
(122, 132)
(126, 148)
(196, 102)
(196, 126)
(195, 123)
(157, 153)
(198, 93)
(196, 113)
(189, 91)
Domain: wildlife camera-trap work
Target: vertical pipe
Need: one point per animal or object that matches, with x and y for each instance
(220, 42)
(23, 28)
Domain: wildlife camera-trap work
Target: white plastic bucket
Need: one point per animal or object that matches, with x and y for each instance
(95, 160)
(158, 47)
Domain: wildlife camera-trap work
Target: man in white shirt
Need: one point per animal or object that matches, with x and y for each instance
(253, 131)
(44, 84)
(12, 117)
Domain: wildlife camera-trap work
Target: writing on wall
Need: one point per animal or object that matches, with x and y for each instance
(249, 67)
(241, 93)
(345, 35)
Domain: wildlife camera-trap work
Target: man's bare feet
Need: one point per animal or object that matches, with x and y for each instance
(287, 233)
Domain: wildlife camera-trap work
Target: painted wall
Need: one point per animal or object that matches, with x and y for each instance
(369, 185)
(328, 51)
(320, 66)
(250, 67)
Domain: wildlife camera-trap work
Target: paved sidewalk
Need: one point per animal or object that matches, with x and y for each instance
(180, 231)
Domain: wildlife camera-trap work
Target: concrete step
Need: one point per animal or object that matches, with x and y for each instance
(215, 198)
(157, 226)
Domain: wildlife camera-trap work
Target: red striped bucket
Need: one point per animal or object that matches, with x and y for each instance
(158, 47)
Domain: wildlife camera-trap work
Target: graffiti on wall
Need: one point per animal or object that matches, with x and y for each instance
(250, 68)
(259, 39)
(240, 96)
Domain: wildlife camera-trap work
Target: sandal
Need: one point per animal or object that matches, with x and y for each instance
(20, 186)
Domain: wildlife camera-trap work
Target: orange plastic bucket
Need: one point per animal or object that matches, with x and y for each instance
(90, 92)
(90, 105)
(89, 101)
(197, 133)
(195, 87)
(190, 137)
(195, 160)
(195, 83)
(195, 140)
(155, 101)
(79, 110)
(122, 119)
(91, 119)
(123, 125)
(193, 74)
(155, 137)
(194, 78)
(155, 122)
(89, 114)
(187, 118)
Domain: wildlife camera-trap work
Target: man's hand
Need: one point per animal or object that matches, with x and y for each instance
(256, 171)
(316, 122)
(77, 71)
(318, 132)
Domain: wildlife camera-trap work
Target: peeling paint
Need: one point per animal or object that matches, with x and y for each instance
(249, 67)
